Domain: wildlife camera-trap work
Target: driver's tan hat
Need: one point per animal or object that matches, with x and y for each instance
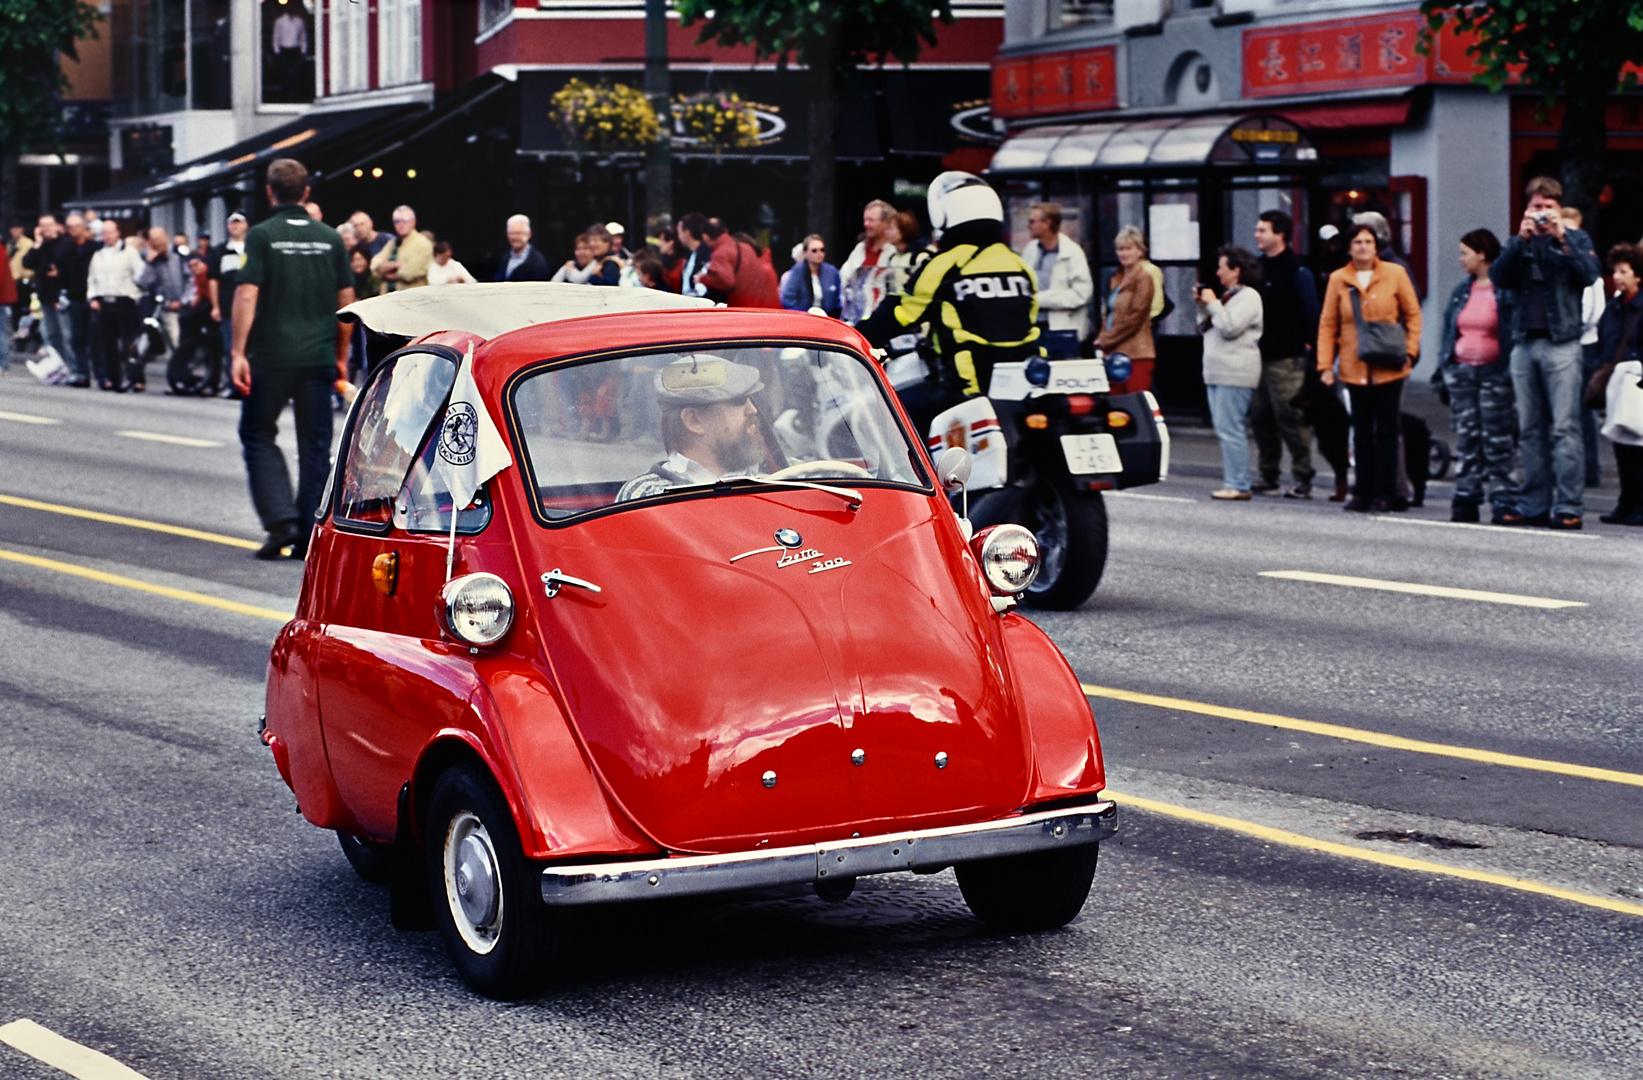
(702, 379)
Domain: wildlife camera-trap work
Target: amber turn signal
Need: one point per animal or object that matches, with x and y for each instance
(1037, 421)
(1117, 419)
(385, 572)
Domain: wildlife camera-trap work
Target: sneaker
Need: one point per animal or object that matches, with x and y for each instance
(1264, 487)
(1463, 510)
(1229, 493)
(1570, 522)
(1299, 491)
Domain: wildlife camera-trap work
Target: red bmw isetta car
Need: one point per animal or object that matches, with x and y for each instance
(716, 627)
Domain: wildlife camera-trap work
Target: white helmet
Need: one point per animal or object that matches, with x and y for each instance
(958, 197)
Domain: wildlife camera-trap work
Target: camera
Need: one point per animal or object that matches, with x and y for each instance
(1542, 218)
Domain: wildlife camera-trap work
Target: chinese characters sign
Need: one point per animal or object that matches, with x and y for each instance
(1069, 82)
(1339, 54)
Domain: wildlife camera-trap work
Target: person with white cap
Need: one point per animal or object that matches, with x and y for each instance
(979, 297)
(710, 426)
(222, 275)
(618, 241)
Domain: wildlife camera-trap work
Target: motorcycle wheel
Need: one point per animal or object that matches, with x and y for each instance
(1071, 528)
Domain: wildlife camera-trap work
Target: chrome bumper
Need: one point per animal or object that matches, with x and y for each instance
(928, 850)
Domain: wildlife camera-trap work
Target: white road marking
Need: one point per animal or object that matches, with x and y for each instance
(1141, 495)
(1422, 590)
(81, 1062)
(29, 418)
(175, 440)
(1498, 530)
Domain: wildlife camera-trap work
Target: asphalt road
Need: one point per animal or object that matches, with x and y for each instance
(161, 902)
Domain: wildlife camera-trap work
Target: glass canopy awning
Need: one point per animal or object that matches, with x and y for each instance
(1162, 144)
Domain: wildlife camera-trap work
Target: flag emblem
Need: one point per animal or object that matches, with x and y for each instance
(459, 434)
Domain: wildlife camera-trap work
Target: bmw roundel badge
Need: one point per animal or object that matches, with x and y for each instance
(787, 538)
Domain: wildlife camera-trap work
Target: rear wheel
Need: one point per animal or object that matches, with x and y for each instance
(1071, 529)
(486, 897)
(1438, 459)
(1037, 891)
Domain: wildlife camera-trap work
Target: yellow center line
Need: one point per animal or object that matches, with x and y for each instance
(1373, 738)
(45, 1045)
(1418, 589)
(129, 522)
(1401, 862)
(204, 599)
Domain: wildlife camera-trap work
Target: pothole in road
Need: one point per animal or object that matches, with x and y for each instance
(1409, 836)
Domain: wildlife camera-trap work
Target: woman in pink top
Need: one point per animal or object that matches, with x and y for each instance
(1474, 368)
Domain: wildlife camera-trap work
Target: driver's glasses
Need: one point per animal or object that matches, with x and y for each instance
(631, 428)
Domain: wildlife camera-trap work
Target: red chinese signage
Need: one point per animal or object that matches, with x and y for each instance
(1052, 83)
(1339, 54)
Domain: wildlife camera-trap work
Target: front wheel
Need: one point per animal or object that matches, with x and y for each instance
(1037, 891)
(486, 897)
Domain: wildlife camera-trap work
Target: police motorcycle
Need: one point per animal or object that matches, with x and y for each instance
(1045, 437)
(1044, 443)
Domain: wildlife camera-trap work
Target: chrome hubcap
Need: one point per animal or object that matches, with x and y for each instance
(473, 888)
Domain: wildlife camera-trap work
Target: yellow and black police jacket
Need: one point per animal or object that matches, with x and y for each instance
(981, 301)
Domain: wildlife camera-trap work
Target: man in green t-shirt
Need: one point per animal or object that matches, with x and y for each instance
(289, 347)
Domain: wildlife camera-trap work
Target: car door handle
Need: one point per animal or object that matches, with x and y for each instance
(554, 580)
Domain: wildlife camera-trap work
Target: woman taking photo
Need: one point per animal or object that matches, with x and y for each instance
(1128, 326)
(1231, 325)
(1476, 370)
(1371, 325)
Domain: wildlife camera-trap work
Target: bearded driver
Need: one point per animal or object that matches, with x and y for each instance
(979, 297)
(710, 426)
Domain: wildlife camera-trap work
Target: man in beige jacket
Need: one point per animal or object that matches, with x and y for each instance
(404, 263)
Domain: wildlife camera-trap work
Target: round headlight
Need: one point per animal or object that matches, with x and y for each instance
(477, 608)
(1009, 557)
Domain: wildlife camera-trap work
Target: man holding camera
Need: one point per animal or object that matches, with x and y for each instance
(1549, 266)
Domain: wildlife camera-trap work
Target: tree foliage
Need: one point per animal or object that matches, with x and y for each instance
(32, 35)
(847, 32)
(1556, 46)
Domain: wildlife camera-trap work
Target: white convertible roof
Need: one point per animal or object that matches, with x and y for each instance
(492, 308)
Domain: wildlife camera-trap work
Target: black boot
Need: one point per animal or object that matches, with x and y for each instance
(1463, 510)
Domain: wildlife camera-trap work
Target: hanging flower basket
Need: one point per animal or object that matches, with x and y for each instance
(718, 120)
(605, 118)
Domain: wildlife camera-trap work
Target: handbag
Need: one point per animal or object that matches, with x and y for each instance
(1380, 344)
(1597, 388)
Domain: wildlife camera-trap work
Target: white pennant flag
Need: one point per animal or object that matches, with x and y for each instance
(471, 449)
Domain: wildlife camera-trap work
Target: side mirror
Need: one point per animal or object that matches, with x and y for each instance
(953, 474)
(953, 469)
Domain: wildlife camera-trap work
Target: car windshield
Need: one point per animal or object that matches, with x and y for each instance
(637, 427)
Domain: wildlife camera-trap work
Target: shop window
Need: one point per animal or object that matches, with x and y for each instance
(348, 46)
(399, 42)
(209, 50)
(287, 52)
(150, 74)
(492, 12)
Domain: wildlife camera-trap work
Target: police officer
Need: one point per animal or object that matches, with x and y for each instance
(979, 297)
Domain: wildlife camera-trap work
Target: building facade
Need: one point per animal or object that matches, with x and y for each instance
(1188, 118)
(445, 105)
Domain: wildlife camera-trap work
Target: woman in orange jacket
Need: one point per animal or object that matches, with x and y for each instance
(1374, 380)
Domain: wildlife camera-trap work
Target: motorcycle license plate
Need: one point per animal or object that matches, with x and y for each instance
(1091, 454)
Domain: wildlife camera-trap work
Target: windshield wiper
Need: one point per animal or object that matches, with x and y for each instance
(850, 495)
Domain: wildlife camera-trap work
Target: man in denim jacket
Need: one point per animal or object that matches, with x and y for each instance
(1548, 265)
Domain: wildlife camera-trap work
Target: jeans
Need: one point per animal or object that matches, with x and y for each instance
(57, 330)
(309, 392)
(1276, 423)
(1229, 408)
(1484, 415)
(1375, 430)
(1547, 380)
(79, 322)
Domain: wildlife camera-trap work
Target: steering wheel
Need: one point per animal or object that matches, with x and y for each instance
(822, 467)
